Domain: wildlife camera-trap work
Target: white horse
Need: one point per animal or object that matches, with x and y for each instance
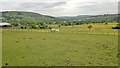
(57, 30)
(54, 30)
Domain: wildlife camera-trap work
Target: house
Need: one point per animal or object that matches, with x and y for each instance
(4, 24)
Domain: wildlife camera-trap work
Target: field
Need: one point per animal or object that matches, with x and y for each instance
(72, 46)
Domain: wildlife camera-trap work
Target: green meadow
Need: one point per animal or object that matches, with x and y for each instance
(72, 46)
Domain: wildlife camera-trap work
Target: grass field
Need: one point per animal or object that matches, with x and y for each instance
(69, 47)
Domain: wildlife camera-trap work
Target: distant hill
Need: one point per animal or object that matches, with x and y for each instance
(26, 17)
(95, 18)
(31, 17)
(75, 17)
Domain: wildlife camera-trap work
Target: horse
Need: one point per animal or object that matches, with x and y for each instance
(54, 30)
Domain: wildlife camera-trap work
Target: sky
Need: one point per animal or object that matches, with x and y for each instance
(62, 7)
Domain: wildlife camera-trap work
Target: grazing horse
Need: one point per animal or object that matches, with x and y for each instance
(57, 30)
(54, 30)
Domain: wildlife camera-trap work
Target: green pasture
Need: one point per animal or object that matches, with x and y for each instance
(72, 46)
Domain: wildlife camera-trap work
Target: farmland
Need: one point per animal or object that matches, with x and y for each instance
(72, 46)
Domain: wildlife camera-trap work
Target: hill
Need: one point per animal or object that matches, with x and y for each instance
(31, 17)
(93, 18)
(26, 17)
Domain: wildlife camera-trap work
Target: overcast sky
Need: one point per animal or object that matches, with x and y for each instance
(62, 7)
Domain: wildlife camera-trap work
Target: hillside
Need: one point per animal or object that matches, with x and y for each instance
(31, 17)
(26, 17)
(94, 18)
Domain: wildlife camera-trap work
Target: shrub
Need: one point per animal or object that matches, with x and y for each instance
(116, 27)
(59, 25)
(89, 27)
(106, 23)
(23, 27)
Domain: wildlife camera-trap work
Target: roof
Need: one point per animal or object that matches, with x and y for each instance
(4, 23)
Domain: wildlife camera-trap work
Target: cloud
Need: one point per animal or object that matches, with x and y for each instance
(98, 8)
(62, 8)
(33, 0)
(9, 6)
(73, 1)
(42, 4)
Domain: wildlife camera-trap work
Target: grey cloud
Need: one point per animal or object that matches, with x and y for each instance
(31, 0)
(43, 5)
(52, 5)
(60, 8)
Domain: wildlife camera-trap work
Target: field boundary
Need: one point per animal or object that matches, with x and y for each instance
(68, 31)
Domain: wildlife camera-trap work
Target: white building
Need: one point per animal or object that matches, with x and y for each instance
(2, 24)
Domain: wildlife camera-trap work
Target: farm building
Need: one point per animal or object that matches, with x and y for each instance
(4, 24)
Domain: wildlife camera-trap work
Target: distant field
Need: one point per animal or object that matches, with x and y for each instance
(97, 29)
(72, 46)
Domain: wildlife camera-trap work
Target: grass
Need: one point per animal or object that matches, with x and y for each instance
(36, 48)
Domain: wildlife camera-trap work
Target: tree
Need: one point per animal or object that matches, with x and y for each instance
(89, 27)
(116, 27)
(77, 23)
(59, 25)
(106, 23)
(15, 23)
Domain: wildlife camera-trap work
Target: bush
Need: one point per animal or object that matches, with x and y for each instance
(66, 24)
(116, 27)
(23, 27)
(34, 26)
(90, 26)
(15, 24)
(59, 25)
(106, 23)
